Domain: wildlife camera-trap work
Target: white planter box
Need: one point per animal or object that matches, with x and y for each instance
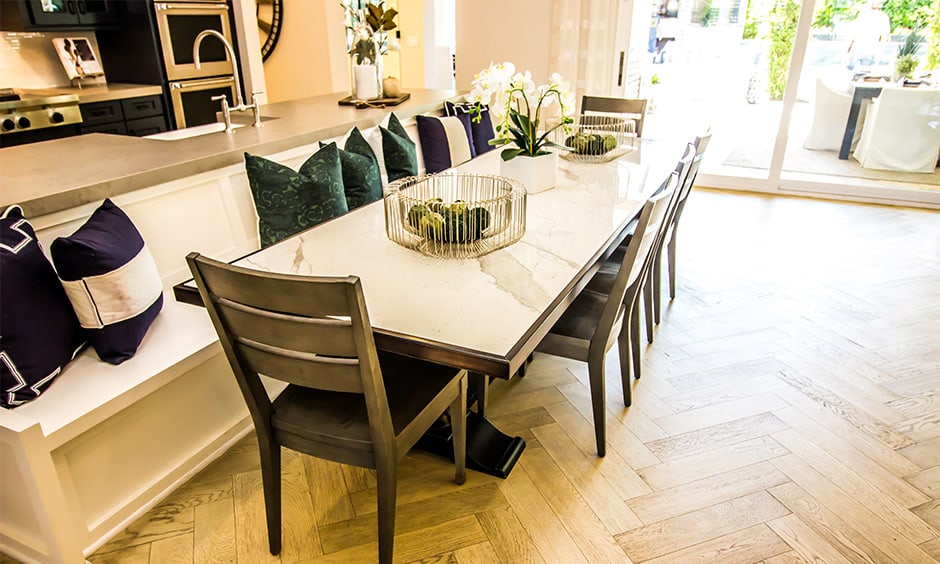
(537, 174)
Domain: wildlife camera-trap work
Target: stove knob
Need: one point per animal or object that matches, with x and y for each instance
(23, 122)
(8, 125)
(56, 117)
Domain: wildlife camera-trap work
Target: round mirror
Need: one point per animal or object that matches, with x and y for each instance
(270, 14)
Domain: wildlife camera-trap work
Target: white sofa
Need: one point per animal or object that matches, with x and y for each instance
(104, 444)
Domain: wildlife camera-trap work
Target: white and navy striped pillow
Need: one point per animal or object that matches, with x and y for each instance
(112, 281)
(445, 141)
(481, 131)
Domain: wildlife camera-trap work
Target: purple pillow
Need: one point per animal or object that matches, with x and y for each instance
(39, 333)
(111, 280)
(444, 142)
(482, 132)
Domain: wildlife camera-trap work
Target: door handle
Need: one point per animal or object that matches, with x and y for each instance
(70, 6)
(81, 7)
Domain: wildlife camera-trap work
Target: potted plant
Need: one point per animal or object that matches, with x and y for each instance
(525, 116)
(907, 62)
(367, 27)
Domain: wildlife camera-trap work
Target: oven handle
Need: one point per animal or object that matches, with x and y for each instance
(209, 82)
(216, 7)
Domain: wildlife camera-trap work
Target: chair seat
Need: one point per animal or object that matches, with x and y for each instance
(581, 317)
(340, 419)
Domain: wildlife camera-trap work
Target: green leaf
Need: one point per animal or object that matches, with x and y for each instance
(390, 14)
(499, 141)
(375, 11)
(388, 26)
(557, 146)
(509, 154)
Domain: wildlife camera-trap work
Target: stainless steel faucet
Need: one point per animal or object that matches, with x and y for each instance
(240, 105)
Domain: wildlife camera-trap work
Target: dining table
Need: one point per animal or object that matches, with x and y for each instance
(485, 314)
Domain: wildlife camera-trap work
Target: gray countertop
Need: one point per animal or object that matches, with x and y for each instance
(51, 176)
(104, 92)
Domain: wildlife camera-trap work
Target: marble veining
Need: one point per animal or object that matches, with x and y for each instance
(489, 303)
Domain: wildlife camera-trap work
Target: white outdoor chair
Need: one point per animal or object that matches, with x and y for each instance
(830, 114)
(902, 131)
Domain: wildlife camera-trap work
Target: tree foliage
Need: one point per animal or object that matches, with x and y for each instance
(783, 20)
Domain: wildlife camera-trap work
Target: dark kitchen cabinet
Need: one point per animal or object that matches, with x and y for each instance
(139, 116)
(59, 14)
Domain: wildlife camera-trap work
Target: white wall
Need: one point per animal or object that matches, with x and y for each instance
(310, 58)
(28, 60)
(503, 30)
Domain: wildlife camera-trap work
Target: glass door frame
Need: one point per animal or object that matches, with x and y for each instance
(776, 180)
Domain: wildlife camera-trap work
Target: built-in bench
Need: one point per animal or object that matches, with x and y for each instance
(106, 443)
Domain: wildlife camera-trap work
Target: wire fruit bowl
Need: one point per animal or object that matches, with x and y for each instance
(597, 138)
(454, 215)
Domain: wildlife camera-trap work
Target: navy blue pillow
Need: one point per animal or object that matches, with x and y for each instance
(444, 142)
(39, 333)
(111, 280)
(482, 132)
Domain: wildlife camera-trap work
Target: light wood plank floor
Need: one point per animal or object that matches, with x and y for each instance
(789, 411)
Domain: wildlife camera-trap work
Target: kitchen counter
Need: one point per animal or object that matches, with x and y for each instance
(55, 175)
(104, 92)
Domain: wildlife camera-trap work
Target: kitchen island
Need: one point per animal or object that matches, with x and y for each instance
(57, 175)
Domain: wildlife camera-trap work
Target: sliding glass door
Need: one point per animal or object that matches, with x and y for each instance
(775, 81)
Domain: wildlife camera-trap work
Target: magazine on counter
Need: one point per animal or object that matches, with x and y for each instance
(77, 57)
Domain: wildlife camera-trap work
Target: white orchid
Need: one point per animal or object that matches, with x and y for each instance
(518, 106)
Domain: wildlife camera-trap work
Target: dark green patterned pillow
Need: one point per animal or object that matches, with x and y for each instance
(290, 201)
(356, 143)
(362, 181)
(401, 155)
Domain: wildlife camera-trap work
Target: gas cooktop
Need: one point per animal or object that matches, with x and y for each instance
(24, 109)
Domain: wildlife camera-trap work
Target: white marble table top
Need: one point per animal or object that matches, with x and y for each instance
(485, 314)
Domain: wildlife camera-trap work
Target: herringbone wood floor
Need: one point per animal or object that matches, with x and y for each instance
(789, 411)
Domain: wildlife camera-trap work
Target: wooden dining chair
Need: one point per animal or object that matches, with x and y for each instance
(701, 144)
(634, 108)
(604, 279)
(344, 401)
(593, 322)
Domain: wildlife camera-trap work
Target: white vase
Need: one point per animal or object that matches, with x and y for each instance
(537, 174)
(366, 82)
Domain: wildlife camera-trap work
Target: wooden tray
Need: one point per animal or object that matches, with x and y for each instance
(350, 101)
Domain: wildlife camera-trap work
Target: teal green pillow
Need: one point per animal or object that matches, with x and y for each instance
(401, 155)
(356, 143)
(290, 201)
(362, 181)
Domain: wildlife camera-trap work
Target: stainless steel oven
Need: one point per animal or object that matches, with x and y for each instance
(192, 99)
(179, 23)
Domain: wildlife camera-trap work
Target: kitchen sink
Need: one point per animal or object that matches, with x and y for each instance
(189, 132)
(204, 129)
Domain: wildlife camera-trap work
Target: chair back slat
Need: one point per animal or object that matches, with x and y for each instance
(336, 374)
(325, 336)
(635, 108)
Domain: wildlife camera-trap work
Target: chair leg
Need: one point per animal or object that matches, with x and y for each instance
(671, 251)
(635, 340)
(387, 483)
(271, 483)
(623, 344)
(458, 424)
(598, 403)
(657, 288)
(648, 302)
